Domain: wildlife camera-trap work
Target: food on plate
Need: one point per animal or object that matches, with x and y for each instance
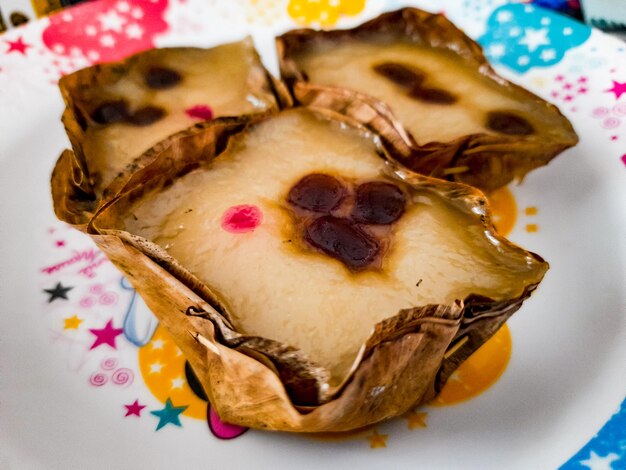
(313, 284)
(415, 77)
(116, 111)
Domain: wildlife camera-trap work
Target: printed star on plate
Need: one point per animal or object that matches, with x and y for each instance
(178, 382)
(58, 292)
(155, 368)
(157, 344)
(377, 440)
(105, 335)
(497, 50)
(72, 323)
(547, 55)
(134, 31)
(618, 89)
(416, 419)
(533, 38)
(169, 415)
(18, 46)
(595, 462)
(504, 16)
(134, 409)
(111, 21)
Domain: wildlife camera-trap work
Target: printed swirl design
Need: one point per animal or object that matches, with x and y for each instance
(109, 364)
(123, 377)
(98, 379)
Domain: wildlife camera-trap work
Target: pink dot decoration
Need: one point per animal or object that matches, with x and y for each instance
(623, 158)
(242, 219)
(200, 111)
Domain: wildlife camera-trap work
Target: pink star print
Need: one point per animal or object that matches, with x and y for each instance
(618, 89)
(134, 409)
(60, 243)
(18, 46)
(105, 335)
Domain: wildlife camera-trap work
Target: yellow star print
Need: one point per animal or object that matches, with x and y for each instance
(72, 323)
(416, 420)
(377, 440)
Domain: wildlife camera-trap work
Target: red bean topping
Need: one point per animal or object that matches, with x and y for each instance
(342, 240)
(378, 203)
(146, 116)
(161, 78)
(508, 123)
(403, 75)
(317, 192)
(432, 95)
(111, 112)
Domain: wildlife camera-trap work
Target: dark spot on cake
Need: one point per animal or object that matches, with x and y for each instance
(342, 240)
(403, 75)
(146, 116)
(318, 193)
(111, 112)
(432, 95)
(161, 78)
(378, 203)
(508, 123)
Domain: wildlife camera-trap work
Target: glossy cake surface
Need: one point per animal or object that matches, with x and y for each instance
(318, 271)
(434, 95)
(117, 111)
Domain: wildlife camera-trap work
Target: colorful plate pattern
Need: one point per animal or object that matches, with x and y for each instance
(89, 378)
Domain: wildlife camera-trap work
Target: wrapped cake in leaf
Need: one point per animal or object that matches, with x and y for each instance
(313, 283)
(116, 111)
(414, 77)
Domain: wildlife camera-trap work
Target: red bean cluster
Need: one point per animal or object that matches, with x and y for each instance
(337, 216)
(411, 80)
(118, 110)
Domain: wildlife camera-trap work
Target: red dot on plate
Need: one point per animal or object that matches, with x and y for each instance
(241, 219)
(200, 111)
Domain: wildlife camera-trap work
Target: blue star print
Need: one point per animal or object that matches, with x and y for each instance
(169, 414)
(607, 449)
(522, 37)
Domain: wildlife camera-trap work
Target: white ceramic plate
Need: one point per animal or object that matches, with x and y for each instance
(63, 395)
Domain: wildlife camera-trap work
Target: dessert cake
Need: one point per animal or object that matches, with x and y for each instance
(117, 111)
(463, 121)
(313, 284)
